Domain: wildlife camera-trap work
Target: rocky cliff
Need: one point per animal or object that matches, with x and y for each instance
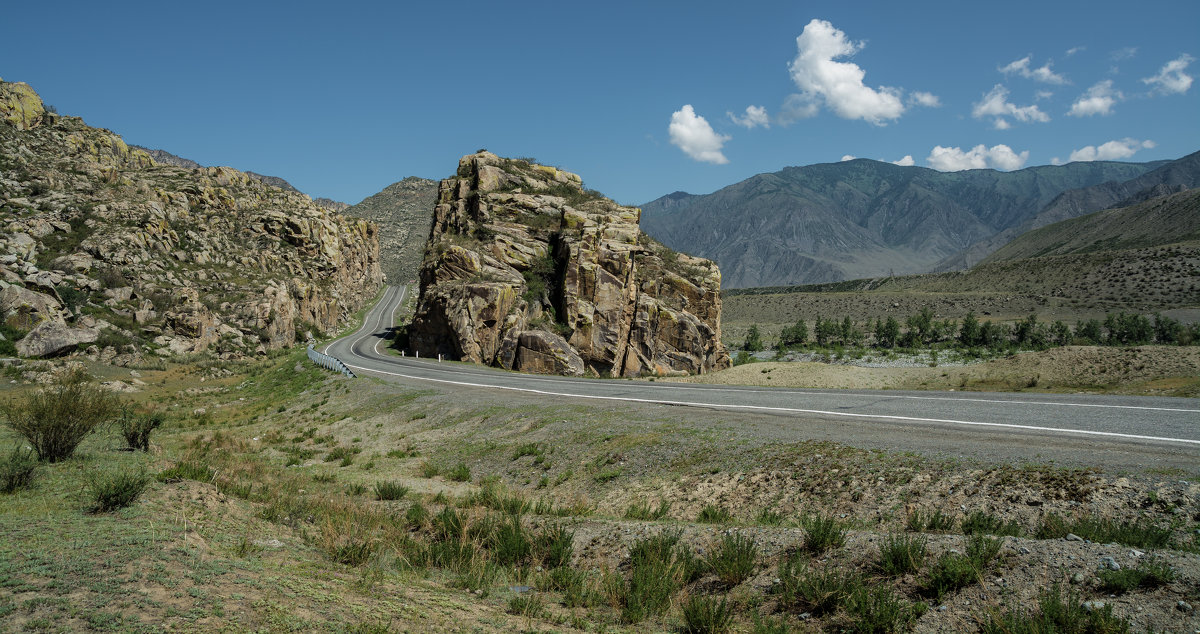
(105, 250)
(527, 270)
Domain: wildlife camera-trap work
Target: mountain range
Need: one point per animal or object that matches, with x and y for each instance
(864, 218)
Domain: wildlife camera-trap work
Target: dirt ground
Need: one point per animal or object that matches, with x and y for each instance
(1148, 370)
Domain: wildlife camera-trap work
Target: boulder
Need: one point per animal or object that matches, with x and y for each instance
(52, 338)
(23, 308)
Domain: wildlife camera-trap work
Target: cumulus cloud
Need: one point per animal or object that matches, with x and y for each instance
(1043, 74)
(795, 108)
(691, 133)
(838, 85)
(953, 159)
(907, 161)
(1171, 79)
(995, 104)
(848, 157)
(929, 100)
(1077, 49)
(1098, 99)
(1111, 151)
(755, 116)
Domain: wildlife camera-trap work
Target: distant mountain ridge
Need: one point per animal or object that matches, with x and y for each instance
(863, 218)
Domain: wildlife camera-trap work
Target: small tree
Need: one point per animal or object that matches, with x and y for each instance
(57, 418)
(794, 335)
(753, 340)
(887, 333)
(968, 333)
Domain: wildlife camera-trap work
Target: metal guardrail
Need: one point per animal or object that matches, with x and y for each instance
(328, 362)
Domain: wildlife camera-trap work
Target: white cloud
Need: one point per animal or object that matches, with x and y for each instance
(1124, 53)
(1077, 49)
(839, 85)
(795, 108)
(1111, 151)
(907, 161)
(1171, 80)
(1042, 94)
(929, 100)
(1042, 74)
(755, 116)
(953, 159)
(691, 133)
(848, 157)
(995, 104)
(1098, 99)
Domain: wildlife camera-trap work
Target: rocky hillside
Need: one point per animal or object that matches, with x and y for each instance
(1172, 177)
(527, 270)
(860, 218)
(402, 212)
(106, 251)
(1159, 221)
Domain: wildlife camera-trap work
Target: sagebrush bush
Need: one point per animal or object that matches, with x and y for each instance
(136, 428)
(823, 532)
(17, 469)
(390, 490)
(901, 554)
(57, 418)
(115, 489)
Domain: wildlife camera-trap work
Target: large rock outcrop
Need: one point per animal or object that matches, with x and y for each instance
(160, 258)
(528, 270)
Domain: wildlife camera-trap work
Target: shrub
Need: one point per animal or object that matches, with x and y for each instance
(527, 605)
(901, 554)
(115, 489)
(136, 429)
(706, 615)
(57, 418)
(953, 571)
(734, 559)
(935, 521)
(823, 532)
(187, 470)
(390, 491)
(416, 515)
(17, 470)
(767, 517)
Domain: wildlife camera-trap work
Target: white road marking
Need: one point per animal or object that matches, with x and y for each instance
(791, 410)
(365, 332)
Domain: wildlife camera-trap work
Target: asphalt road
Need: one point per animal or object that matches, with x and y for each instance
(1125, 431)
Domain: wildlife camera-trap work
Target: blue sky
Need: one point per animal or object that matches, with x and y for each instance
(342, 99)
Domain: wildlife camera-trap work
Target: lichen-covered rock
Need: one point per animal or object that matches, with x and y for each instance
(20, 106)
(188, 259)
(50, 338)
(527, 270)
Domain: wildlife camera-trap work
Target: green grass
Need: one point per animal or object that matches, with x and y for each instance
(1147, 576)
(822, 533)
(901, 554)
(1058, 612)
(733, 559)
(390, 491)
(706, 615)
(714, 514)
(1138, 534)
(982, 523)
(17, 469)
(644, 512)
(112, 490)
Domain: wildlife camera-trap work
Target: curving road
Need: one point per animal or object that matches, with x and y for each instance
(1122, 431)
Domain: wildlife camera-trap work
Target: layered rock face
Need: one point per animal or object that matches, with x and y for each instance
(527, 270)
(102, 246)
